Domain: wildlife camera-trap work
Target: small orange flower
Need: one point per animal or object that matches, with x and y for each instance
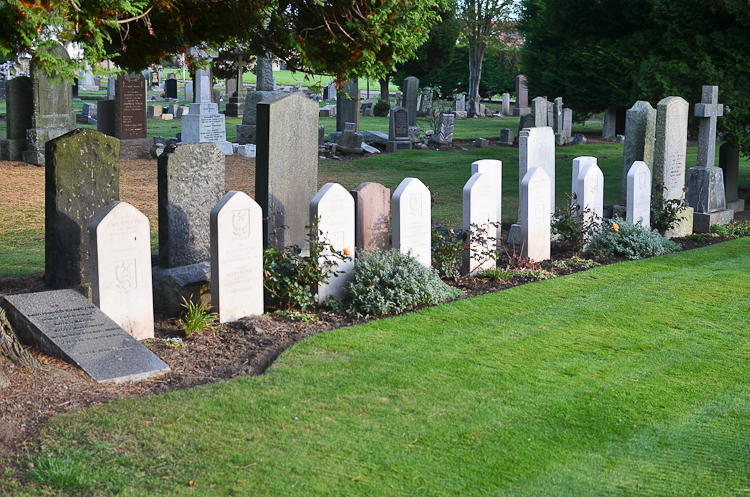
(615, 227)
(347, 251)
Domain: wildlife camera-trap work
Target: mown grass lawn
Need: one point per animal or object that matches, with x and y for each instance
(626, 379)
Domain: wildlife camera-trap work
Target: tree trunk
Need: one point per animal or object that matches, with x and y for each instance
(11, 346)
(476, 57)
(384, 93)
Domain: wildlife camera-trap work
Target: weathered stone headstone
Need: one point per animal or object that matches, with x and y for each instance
(479, 219)
(670, 148)
(561, 138)
(350, 140)
(411, 210)
(321, 136)
(64, 324)
(568, 123)
(493, 169)
(332, 212)
(19, 117)
(372, 207)
(526, 121)
(507, 137)
(236, 257)
(398, 131)
(82, 177)
(640, 130)
(347, 106)
(204, 123)
(590, 193)
(111, 87)
(170, 88)
(120, 244)
(411, 94)
(539, 110)
(89, 110)
(130, 116)
(459, 104)
(264, 73)
(638, 204)
(534, 216)
(330, 91)
(189, 94)
(247, 131)
(444, 133)
(155, 110)
(53, 110)
(236, 104)
(506, 104)
(88, 83)
(729, 162)
(286, 177)
(522, 97)
(609, 128)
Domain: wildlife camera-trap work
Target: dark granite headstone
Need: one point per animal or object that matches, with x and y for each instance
(411, 95)
(130, 107)
(191, 182)
(75, 89)
(398, 130)
(105, 123)
(53, 110)
(82, 177)
(321, 136)
(170, 88)
(347, 106)
(64, 324)
(286, 178)
(729, 162)
(19, 111)
(3, 88)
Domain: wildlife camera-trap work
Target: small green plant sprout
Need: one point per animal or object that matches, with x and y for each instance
(734, 229)
(695, 237)
(197, 317)
(173, 343)
(495, 274)
(333, 304)
(575, 225)
(302, 317)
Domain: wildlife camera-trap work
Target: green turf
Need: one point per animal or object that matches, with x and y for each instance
(626, 379)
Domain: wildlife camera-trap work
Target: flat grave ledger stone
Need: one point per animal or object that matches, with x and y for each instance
(540, 111)
(170, 88)
(639, 194)
(332, 211)
(578, 164)
(398, 130)
(237, 257)
(591, 193)
(412, 222)
(19, 117)
(64, 324)
(444, 133)
(120, 245)
(190, 183)
(372, 208)
(537, 149)
(347, 105)
(411, 95)
(286, 178)
(670, 148)
(53, 114)
(640, 132)
(534, 215)
(82, 177)
(729, 162)
(479, 219)
(493, 169)
(522, 97)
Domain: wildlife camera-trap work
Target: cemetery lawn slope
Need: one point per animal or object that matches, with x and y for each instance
(625, 378)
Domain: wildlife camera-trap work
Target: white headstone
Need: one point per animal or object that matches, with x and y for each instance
(333, 208)
(202, 86)
(578, 165)
(412, 222)
(204, 123)
(671, 148)
(536, 148)
(236, 257)
(479, 205)
(534, 217)
(494, 169)
(506, 104)
(590, 190)
(120, 246)
(639, 194)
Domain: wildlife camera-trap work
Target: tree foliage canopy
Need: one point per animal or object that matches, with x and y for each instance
(338, 37)
(613, 53)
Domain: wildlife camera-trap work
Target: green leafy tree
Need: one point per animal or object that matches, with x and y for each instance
(601, 54)
(454, 77)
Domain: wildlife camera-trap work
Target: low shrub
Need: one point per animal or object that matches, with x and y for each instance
(574, 225)
(622, 238)
(381, 108)
(732, 230)
(389, 282)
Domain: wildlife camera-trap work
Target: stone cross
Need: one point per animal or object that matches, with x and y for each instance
(708, 110)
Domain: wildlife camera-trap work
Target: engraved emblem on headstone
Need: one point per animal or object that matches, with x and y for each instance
(241, 223)
(125, 275)
(415, 204)
(132, 77)
(594, 184)
(642, 179)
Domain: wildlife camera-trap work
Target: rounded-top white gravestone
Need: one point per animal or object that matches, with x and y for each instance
(236, 257)
(494, 169)
(535, 215)
(639, 194)
(479, 217)
(412, 222)
(332, 211)
(590, 191)
(578, 164)
(120, 245)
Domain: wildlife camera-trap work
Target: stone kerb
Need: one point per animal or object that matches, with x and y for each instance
(332, 212)
(120, 244)
(479, 218)
(638, 208)
(494, 169)
(534, 215)
(412, 222)
(372, 208)
(236, 225)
